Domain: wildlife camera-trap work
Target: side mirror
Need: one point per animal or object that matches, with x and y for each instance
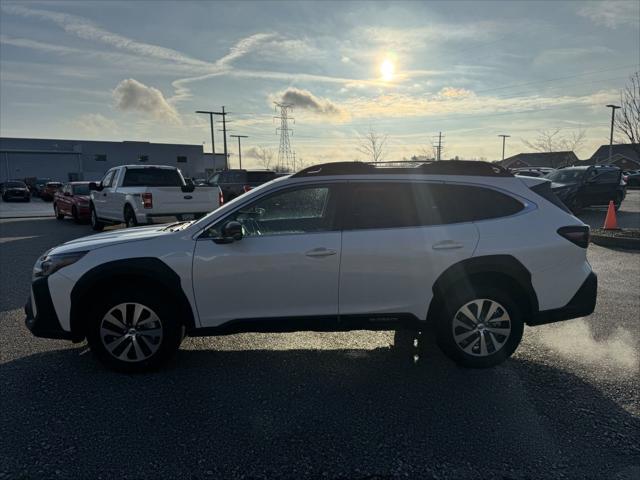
(231, 232)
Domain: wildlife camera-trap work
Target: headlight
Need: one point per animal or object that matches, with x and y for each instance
(48, 264)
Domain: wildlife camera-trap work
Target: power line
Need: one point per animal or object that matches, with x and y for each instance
(284, 151)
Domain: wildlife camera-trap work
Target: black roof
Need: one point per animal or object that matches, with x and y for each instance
(628, 150)
(444, 167)
(541, 159)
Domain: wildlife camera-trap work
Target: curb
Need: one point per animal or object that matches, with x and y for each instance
(15, 217)
(613, 242)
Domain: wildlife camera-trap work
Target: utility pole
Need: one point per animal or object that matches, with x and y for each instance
(504, 138)
(284, 152)
(224, 130)
(613, 118)
(213, 145)
(438, 146)
(239, 148)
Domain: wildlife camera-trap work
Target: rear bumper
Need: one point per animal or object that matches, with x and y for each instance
(582, 304)
(43, 322)
(169, 217)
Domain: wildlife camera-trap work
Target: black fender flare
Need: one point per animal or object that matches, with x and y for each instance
(109, 274)
(496, 266)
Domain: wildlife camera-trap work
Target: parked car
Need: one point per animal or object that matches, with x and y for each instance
(234, 183)
(37, 186)
(49, 191)
(585, 186)
(15, 190)
(72, 200)
(135, 195)
(532, 171)
(633, 178)
(464, 246)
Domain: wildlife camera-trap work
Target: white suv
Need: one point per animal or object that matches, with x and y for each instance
(464, 246)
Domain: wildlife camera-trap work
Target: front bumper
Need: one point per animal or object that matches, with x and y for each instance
(582, 304)
(43, 322)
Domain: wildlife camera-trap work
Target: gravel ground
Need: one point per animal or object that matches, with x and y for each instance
(322, 405)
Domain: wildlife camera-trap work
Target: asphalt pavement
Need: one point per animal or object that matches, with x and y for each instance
(322, 405)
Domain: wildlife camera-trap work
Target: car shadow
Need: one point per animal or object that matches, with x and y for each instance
(345, 413)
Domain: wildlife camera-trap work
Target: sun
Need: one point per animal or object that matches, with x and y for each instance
(387, 69)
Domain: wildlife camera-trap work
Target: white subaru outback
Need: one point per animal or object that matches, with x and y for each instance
(463, 246)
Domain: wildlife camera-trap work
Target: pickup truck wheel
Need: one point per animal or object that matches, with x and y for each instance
(96, 224)
(133, 330)
(479, 327)
(130, 219)
(56, 211)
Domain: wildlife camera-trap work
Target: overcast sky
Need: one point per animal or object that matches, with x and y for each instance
(139, 70)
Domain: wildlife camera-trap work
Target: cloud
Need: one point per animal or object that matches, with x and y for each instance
(612, 14)
(242, 47)
(453, 92)
(561, 55)
(133, 96)
(305, 100)
(345, 59)
(95, 123)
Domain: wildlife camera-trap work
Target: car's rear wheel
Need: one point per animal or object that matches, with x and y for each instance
(479, 327)
(56, 210)
(617, 202)
(133, 330)
(74, 214)
(96, 224)
(130, 219)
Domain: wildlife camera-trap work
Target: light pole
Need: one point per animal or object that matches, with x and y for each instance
(613, 118)
(504, 138)
(239, 148)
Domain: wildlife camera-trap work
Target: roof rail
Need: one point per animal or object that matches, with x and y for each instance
(442, 167)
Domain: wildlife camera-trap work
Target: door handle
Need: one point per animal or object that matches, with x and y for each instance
(447, 245)
(320, 252)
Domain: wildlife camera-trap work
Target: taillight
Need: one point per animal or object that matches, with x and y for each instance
(246, 188)
(220, 197)
(147, 200)
(577, 234)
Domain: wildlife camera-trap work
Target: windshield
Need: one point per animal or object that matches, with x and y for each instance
(566, 176)
(81, 189)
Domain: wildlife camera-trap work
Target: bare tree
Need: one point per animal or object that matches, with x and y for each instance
(263, 155)
(373, 145)
(554, 141)
(628, 119)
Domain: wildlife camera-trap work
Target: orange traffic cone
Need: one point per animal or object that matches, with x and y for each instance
(610, 221)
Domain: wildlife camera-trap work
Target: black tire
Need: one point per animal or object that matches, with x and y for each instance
(59, 216)
(130, 219)
(27, 199)
(74, 214)
(96, 224)
(4, 198)
(483, 336)
(133, 349)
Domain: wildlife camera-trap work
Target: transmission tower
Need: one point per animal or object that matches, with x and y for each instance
(285, 155)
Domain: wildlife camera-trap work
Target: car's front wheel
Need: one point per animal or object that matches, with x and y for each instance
(133, 330)
(96, 224)
(59, 215)
(479, 327)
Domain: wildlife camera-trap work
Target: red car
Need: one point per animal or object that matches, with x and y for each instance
(72, 199)
(49, 191)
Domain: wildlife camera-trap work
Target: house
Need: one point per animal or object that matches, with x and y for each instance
(624, 155)
(540, 159)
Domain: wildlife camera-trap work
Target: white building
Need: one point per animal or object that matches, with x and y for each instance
(65, 160)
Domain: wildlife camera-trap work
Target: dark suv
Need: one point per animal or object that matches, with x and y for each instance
(580, 187)
(233, 183)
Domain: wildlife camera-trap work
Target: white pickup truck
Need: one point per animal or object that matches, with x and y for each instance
(144, 194)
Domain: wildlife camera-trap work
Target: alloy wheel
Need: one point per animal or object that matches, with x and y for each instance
(131, 332)
(481, 327)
